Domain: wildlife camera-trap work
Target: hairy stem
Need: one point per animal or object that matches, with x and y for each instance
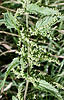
(27, 82)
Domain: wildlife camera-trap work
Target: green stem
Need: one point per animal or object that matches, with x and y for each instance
(27, 82)
(27, 20)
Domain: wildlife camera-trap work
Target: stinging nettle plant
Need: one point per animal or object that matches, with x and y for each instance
(33, 49)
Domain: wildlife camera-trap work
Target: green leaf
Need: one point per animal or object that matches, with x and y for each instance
(14, 63)
(1, 21)
(61, 18)
(46, 23)
(14, 98)
(10, 21)
(43, 85)
(33, 8)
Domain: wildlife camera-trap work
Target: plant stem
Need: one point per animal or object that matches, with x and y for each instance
(28, 39)
(27, 82)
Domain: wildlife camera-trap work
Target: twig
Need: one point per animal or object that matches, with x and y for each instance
(11, 2)
(58, 4)
(60, 31)
(36, 40)
(7, 87)
(7, 9)
(58, 56)
(27, 82)
(7, 52)
(33, 17)
(8, 33)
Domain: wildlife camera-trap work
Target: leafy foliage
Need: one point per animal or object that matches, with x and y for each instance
(33, 8)
(39, 52)
(48, 87)
(10, 21)
(14, 63)
(14, 98)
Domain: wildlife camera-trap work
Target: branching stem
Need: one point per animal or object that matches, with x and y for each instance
(27, 82)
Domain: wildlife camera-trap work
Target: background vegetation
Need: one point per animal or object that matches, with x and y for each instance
(31, 50)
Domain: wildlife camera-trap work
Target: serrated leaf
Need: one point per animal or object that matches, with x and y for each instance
(14, 63)
(33, 8)
(14, 98)
(10, 21)
(46, 23)
(43, 85)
